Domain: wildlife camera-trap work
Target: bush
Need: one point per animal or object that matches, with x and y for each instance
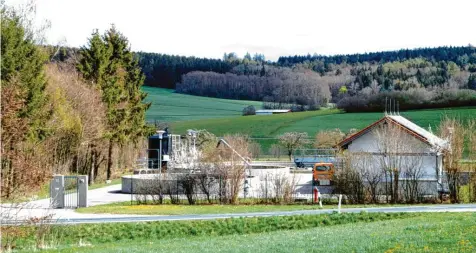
(409, 100)
(249, 110)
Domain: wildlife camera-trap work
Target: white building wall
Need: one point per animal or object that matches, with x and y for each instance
(264, 113)
(430, 167)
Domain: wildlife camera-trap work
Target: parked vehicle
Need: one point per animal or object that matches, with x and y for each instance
(322, 174)
(304, 158)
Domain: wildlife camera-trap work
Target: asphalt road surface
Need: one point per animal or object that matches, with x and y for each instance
(148, 218)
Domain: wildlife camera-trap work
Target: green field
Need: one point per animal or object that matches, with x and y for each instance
(223, 116)
(168, 106)
(312, 122)
(169, 209)
(429, 232)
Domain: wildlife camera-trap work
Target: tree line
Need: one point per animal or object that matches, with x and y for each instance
(417, 78)
(166, 71)
(277, 85)
(83, 114)
(460, 55)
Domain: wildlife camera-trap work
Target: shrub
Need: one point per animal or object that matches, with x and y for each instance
(409, 100)
(249, 110)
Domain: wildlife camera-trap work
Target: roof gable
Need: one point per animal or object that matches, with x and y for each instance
(408, 126)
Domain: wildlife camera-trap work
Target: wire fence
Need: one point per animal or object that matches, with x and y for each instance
(191, 189)
(201, 189)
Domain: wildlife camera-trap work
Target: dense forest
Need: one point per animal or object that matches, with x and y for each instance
(455, 54)
(459, 55)
(165, 71)
(417, 78)
(279, 87)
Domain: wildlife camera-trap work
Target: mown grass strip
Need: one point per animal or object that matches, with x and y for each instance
(428, 232)
(245, 206)
(115, 232)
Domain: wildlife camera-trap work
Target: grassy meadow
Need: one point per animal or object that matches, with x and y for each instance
(168, 106)
(223, 116)
(364, 232)
(171, 209)
(314, 121)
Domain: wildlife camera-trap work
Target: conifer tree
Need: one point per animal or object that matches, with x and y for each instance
(23, 101)
(472, 82)
(109, 62)
(94, 59)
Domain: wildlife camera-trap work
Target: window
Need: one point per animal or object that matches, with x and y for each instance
(322, 168)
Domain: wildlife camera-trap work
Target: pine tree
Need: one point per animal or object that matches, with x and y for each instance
(109, 62)
(94, 59)
(247, 56)
(23, 101)
(472, 82)
(23, 60)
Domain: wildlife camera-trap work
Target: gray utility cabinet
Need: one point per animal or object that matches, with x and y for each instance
(69, 191)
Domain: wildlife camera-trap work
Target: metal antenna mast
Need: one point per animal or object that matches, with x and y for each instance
(391, 113)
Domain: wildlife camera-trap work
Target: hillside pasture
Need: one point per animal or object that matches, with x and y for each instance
(315, 121)
(168, 106)
(223, 116)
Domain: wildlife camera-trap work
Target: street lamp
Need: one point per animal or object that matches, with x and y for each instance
(193, 134)
(160, 133)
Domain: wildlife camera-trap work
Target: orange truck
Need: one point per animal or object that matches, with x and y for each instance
(322, 174)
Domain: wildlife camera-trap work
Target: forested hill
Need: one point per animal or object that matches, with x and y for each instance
(166, 71)
(459, 55)
(162, 70)
(417, 78)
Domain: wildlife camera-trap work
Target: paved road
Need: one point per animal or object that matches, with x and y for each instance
(41, 207)
(110, 194)
(104, 218)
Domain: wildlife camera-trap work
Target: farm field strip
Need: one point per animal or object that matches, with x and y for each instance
(431, 232)
(170, 106)
(312, 122)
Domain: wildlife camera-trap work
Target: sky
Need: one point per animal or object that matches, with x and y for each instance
(208, 28)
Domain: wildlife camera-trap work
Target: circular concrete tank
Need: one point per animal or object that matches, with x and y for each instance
(139, 182)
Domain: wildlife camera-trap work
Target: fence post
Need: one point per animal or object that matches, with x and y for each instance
(340, 200)
(82, 191)
(177, 190)
(132, 189)
(266, 188)
(57, 191)
(220, 197)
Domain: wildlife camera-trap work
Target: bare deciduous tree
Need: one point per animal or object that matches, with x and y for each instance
(230, 166)
(255, 150)
(412, 171)
(453, 131)
(283, 186)
(276, 150)
(328, 138)
(398, 151)
(471, 137)
(208, 180)
(292, 141)
(279, 87)
(349, 180)
(371, 176)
